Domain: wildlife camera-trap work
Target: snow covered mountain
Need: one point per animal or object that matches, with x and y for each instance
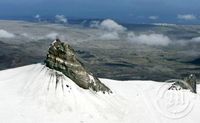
(29, 95)
(62, 90)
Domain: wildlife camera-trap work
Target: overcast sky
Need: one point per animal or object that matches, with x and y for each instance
(135, 11)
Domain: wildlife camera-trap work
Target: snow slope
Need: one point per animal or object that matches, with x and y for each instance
(29, 95)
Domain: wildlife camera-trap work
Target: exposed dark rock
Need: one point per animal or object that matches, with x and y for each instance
(192, 81)
(62, 57)
(195, 61)
(188, 83)
(85, 54)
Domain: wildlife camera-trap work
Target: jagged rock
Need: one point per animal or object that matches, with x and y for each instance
(62, 57)
(178, 84)
(188, 83)
(192, 81)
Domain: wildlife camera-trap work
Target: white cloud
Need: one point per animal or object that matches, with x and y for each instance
(95, 24)
(52, 35)
(111, 25)
(61, 18)
(111, 30)
(6, 34)
(110, 36)
(196, 39)
(153, 17)
(186, 17)
(30, 36)
(164, 24)
(149, 39)
(25, 34)
(37, 16)
(108, 25)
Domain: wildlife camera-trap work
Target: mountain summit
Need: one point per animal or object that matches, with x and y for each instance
(57, 92)
(62, 57)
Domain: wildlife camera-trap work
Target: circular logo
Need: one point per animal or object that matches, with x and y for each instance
(174, 103)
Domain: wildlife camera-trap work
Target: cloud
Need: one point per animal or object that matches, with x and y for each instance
(6, 34)
(108, 25)
(196, 39)
(26, 35)
(111, 25)
(111, 30)
(61, 19)
(52, 35)
(37, 16)
(153, 17)
(164, 24)
(110, 36)
(149, 39)
(95, 24)
(186, 17)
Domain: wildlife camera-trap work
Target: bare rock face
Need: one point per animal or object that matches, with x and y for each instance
(188, 83)
(192, 81)
(62, 57)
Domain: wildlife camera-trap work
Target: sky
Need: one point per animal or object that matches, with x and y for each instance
(128, 11)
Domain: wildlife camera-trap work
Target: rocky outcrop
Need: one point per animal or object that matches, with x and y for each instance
(188, 83)
(192, 82)
(62, 57)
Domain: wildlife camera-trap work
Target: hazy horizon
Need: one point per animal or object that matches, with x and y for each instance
(128, 11)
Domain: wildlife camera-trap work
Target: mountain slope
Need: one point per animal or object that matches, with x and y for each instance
(32, 94)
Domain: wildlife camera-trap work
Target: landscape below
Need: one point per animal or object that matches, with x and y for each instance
(115, 58)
